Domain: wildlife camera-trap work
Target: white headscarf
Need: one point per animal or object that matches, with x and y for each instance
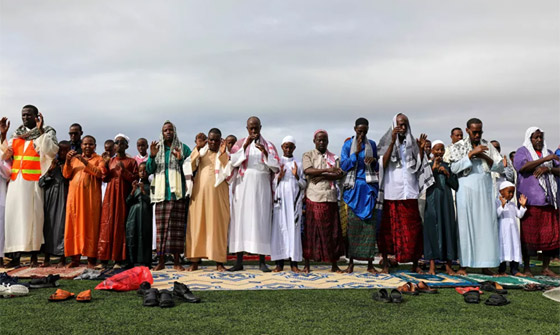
(289, 139)
(123, 136)
(543, 178)
(438, 142)
(527, 143)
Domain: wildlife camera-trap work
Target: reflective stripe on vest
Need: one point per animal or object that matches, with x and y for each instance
(27, 162)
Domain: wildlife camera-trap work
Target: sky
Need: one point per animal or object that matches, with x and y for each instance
(127, 66)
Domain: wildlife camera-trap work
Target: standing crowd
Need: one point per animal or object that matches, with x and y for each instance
(402, 197)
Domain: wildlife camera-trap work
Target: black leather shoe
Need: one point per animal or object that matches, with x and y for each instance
(166, 299)
(151, 298)
(182, 291)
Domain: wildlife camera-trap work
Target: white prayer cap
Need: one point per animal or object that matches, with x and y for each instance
(506, 184)
(289, 139)
(123, 136)
(437, 142)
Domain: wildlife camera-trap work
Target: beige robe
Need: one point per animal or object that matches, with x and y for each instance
(208, 221)
(24, 201)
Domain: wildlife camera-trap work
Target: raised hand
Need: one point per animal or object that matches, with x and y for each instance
(134, 185)
(8, 154)
(70, 155)
(249, 140)
(505, 161)
(4, 126)
(369, 160)
(154, 148)
(40, 122)
(523, 200)
(222, 146)
(106, 157)
(422, 141)
(444, 171)
(177, 153)
(281, 173)
(503, 201)
(479, 149)
(394, 134)
(551, 157)
(294, 169)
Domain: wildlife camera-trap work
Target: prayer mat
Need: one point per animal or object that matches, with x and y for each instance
(506, 282)
(247, 257)
(545, 280)
(207, 278)
(536, 262)
(27, 272)
(553, 294)
(440, 280)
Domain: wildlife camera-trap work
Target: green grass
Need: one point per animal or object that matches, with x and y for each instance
(277, 312)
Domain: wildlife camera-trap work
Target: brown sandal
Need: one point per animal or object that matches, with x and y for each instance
(424, 288)
(61, 295)
(408, 288)
(84, 296)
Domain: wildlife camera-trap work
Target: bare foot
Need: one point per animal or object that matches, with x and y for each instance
(487, 272)
(432, 272)
(528, 273)
(46, 265)
(499, 275)
(178, 267)
(159, 267)
(306, 269)
(60, 265)
(385, 269)
(220, 267)
(461, 272)
(34, 264)
(192, 267)
(73, 265)
(520, 274)
(336, 269)
(372, 270)
(13, 264)
(295, 269)
(417, 270)
(349, 269)
(278, 269)
(549, 273)
(451, 272)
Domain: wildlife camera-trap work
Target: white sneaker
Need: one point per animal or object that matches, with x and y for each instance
(8, 290)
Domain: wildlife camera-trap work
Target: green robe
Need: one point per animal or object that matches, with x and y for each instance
(440, 224)
(139, 227)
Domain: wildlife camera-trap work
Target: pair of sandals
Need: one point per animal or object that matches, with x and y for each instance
(492, 286)
(384, 296)
(415, 289)
(537, 287)
(62, 295)
(473, 297)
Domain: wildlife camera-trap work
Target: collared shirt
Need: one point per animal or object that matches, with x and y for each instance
(323, 191)
(399, 183)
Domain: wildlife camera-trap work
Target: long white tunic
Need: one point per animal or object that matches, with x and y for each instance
(251, 217)
(24, 202)
(5, 172)
(510, 240)
(476, 215)
(286, 231)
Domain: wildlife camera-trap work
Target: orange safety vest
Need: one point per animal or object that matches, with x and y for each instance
(28, 162)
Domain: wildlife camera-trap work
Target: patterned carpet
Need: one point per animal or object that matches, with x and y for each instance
(253, 279)
(27, 272)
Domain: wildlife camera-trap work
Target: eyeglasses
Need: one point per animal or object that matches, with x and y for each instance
(73, 133)
(121, 141)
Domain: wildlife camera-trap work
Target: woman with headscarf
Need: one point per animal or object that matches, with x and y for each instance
(537, 173)
(121, 171)
(167, 192)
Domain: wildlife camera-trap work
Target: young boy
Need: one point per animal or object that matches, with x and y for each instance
(110, 152)
(440, 226)
(289, 186)
(139, 221)
(230, 142)
(56, 194)
(510, 239)
(142, 146)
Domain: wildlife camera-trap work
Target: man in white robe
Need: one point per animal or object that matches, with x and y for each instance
(32, 149)
(256, 160)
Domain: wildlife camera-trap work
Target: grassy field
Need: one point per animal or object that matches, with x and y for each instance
(277, 312)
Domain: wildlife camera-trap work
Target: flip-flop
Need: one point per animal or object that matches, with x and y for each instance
(396, 296)
(408, 288)
(61, 295)
(84, 296)
(463, 290)
(472, 297)
(424, 288)
(496, 300)
(381, 295)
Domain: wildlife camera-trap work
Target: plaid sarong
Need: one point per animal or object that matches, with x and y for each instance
(361, 236)
(322, 241)
(170, 224)
(540, 230)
